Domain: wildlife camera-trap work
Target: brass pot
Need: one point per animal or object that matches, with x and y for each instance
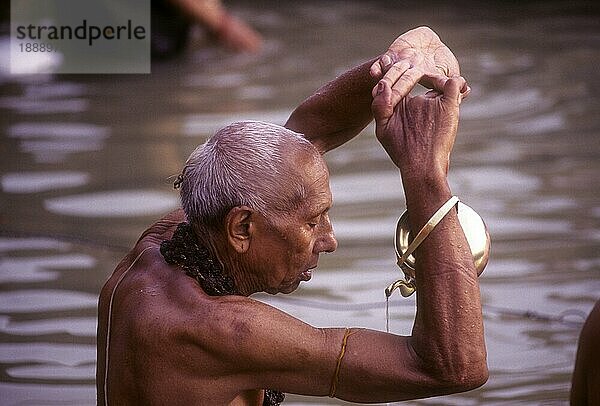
(475, 231)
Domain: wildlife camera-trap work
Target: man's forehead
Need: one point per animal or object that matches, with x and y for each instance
(313, 163)
(319, 192)
(316, 175)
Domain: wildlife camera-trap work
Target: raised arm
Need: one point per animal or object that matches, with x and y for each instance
(339, 110)
(418, 133)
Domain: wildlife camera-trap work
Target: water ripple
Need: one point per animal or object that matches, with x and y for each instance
(207, 124)
(23, 244)
(62, 354)
(41, 269)
(35, 182)
(53, 372)
(118, 203)
(77, 326)
(40, 300)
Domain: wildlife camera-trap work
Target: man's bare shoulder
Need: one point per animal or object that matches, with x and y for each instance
(152, 237)
(160, 231)
(161, 298)
(164, 293)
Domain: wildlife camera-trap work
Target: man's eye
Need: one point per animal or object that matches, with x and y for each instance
(312, 225)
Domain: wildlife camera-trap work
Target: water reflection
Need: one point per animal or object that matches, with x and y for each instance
(64, 354)
(31, 301)
(205, 124)
(39, 269)
(117, 203)
(55, 371)
(76, 326)
(51, 142)
(502, 103)
(47, 395)
(35, 182)
(366, 187)
(27, 244)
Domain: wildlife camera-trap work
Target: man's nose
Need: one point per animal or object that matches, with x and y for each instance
(326, 241)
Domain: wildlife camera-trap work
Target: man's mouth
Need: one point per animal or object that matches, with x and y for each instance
(306, 275)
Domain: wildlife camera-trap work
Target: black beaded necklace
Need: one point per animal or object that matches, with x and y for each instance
(184, 249)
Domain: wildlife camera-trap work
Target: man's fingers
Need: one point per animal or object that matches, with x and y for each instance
(393, 74)
(382, 106)
(375, 70)
(437, 83)
(381, 66)
(405, 83)
(465, 91)
(453, 89)
(434, 81)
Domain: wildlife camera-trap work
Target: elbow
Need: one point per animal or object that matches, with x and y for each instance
(472, 377)
(461, 379)
(453, 374)
(466, 378)
(484, 375)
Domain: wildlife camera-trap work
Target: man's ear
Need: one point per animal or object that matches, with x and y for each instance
(239, 227)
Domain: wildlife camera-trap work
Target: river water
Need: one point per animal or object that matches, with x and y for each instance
(87, 163)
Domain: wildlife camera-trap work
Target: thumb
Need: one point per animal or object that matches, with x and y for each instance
(452, 90)
(382, 106)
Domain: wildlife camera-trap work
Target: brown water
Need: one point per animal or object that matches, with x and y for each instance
(86, 165)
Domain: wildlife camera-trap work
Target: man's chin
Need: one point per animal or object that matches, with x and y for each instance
(284, 289)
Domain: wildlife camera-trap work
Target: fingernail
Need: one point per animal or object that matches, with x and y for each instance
(386, 60)
(380, 87)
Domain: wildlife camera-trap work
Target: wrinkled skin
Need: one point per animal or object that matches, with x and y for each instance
(404, 126)
(422, 50)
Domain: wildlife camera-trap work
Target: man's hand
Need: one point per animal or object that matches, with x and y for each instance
(421, 54)
(418, 133)
(339, 110)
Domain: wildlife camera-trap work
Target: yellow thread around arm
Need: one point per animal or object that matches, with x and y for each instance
(336, 374)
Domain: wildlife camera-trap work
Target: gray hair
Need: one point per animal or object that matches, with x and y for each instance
(248, 163)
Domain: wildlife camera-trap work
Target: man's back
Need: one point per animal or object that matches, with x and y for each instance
(160, 319)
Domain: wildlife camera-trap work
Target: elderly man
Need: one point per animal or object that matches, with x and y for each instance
(176, 325)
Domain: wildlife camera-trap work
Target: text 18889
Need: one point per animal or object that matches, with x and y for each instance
(36, 47)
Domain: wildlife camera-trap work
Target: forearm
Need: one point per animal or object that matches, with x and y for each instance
(338, 111)
(210, 12)
(448, 331)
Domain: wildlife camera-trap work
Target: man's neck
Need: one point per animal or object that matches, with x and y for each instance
(196, 259)
(231, 262)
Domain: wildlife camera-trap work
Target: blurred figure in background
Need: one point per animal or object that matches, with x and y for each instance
(172, 21)
(585, 389)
